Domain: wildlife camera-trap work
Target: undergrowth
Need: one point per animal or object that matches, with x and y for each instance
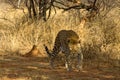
(98, 37)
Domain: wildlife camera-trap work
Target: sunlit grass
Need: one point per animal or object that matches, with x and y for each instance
(97, 38)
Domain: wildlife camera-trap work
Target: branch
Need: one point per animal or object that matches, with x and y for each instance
(80, 6)
(12, 4)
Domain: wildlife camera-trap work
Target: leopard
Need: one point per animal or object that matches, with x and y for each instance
(66, 41)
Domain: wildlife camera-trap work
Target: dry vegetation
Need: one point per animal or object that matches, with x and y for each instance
(100, 40)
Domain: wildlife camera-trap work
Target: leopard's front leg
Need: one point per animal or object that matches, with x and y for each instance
(68, 63)
(80, 61)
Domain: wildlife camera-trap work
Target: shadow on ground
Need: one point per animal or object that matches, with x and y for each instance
(37, 68)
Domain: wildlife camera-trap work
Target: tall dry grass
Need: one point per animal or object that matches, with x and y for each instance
(98, 37)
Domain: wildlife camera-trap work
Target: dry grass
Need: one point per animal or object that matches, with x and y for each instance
(97, 37)
(100, 40)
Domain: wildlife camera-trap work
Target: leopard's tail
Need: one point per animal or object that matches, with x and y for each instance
(47, 50)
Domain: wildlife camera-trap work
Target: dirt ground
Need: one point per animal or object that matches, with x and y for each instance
(22, 68)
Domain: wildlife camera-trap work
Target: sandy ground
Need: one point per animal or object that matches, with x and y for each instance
(22, 68)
